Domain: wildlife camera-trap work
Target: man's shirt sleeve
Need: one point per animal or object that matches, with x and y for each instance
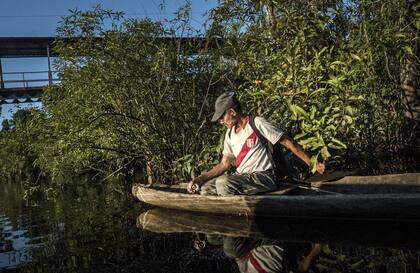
(269, 131)
(227, 149)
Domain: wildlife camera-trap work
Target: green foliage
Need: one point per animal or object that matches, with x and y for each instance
(191, 165)
(328, 72)
(134, 97)
(130, 95)
(16, 155)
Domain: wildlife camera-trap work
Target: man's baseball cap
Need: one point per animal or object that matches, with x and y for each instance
(224, 102)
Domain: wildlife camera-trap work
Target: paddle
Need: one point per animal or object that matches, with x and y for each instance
(328, 176)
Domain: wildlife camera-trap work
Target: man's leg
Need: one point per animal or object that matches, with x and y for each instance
(209, 188)
(220, 185)
(248, 184)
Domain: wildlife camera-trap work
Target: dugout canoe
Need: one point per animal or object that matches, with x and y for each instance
(310, 201)
(344, 232)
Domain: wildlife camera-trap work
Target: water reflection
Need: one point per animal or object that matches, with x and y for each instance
(76, 232)
(262, 255)
(93, 230)
(14, 245)
(349, 233)
(84, 229)
(18, 238)
(292, 245)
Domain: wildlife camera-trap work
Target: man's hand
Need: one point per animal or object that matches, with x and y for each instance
(293, 146)
(193, 187)
(320, 167)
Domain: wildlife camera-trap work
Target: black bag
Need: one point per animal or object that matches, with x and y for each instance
(281, 162)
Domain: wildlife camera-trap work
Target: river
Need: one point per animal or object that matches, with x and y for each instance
(88, 229)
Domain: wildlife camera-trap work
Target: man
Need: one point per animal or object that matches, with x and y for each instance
(254, 169)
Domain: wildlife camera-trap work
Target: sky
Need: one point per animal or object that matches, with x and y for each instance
(39, 18)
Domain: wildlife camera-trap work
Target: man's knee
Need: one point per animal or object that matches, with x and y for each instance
(207, 191)
(223, 186)
(208, 188)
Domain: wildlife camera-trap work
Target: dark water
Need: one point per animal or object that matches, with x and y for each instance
(92, 230)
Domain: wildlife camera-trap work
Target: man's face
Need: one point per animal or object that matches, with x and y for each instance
(229, 118)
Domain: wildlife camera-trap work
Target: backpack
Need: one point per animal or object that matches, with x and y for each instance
(281, 161)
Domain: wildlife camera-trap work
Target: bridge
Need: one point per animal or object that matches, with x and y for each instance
(27, 86)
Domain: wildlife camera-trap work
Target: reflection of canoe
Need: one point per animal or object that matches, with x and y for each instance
(366, 233)
(162, 220)
(402, 204)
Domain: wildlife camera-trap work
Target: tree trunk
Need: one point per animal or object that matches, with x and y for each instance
(410, 69)
(269, 15)
(410, 87)
(410, 83)
(149, 172)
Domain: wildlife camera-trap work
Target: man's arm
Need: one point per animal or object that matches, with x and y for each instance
(216, 171)
(295, 148)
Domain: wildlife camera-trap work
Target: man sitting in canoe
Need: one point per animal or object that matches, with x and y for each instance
(254, 167)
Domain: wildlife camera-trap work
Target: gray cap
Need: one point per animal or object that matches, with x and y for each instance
(224, 102)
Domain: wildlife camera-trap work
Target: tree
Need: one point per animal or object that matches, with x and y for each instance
(328, 71)
(131, 96)
(5, 125)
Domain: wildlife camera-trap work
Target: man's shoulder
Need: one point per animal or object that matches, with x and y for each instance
(258, 120)
(266, 127)
(228, 134)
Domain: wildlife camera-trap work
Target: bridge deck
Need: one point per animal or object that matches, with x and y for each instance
(20, 95)
(19, 47)
(44, 46)
(26, 46)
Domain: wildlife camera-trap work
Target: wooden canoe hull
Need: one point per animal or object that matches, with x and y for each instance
(388, 206)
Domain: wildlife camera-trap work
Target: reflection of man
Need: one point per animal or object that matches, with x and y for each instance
(254, 167)
(253, 255)
(259, 255)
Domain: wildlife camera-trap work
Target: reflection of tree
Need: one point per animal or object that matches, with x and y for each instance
(91, 229)
(337, 259)
(15, 231)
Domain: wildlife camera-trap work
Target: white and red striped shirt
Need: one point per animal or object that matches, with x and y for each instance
(251, 156)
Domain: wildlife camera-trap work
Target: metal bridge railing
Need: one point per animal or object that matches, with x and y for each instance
(28, 79)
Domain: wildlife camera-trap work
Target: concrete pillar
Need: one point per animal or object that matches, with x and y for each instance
(49, 66)
(1, 77)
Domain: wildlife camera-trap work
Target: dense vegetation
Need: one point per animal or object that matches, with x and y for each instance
(135, 99)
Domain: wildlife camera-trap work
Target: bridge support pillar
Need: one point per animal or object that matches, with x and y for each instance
(1, 76)
(50, 82)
